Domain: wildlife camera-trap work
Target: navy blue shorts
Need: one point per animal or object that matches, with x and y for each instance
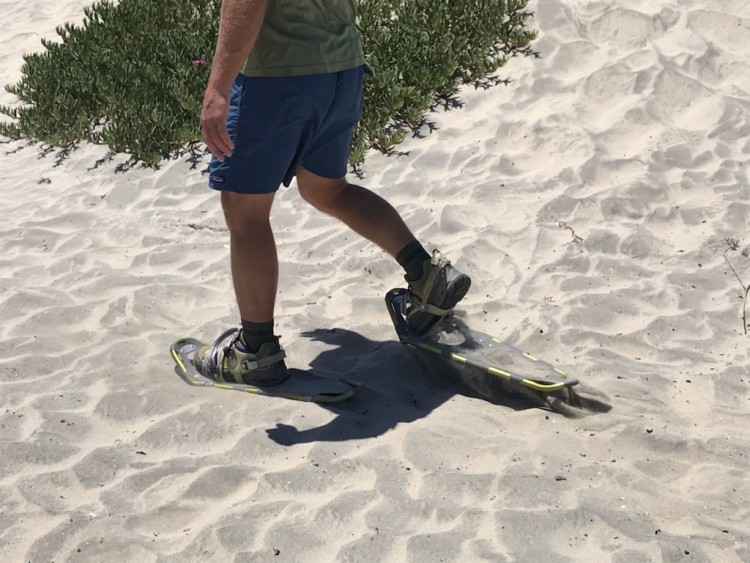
(280, 123)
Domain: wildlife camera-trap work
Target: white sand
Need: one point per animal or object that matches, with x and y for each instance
(632, 130)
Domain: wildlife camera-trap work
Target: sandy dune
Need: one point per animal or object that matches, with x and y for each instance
(591, 201)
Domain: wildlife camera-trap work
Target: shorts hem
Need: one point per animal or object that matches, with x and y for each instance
(233, 188)
(325, 175)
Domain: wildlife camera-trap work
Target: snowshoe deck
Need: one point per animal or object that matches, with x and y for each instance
(455, 341)
(301, 386)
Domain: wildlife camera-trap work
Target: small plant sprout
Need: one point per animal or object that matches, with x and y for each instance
(733, 245)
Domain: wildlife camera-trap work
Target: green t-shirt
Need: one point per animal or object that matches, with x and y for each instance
(306, 37)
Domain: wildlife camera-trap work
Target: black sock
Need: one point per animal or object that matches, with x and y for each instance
(412, 258)
(254, 335)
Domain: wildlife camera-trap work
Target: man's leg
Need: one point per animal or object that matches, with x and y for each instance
(255, 265)
(254, 356)
(437, 285)
(363, 211)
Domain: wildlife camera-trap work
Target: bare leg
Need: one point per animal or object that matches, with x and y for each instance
(255, 265)
(363, 211)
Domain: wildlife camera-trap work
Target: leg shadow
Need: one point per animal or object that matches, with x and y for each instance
(402, 385)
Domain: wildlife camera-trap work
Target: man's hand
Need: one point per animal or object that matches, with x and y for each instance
(240, 24)
(214, 123)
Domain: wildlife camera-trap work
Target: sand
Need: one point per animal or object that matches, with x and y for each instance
(594, 201)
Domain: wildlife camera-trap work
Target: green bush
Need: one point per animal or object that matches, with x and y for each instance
(132, 75)
(422, 51)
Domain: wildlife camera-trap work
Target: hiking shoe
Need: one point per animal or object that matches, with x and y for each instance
(435, 294)
(232, 363)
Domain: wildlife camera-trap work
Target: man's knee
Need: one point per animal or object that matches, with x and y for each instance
(245, 213)
(319, 192)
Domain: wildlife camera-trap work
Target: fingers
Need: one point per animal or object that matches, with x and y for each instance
(214, 124)
(216, 137)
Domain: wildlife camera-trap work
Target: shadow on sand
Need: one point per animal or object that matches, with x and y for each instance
(403, 384)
